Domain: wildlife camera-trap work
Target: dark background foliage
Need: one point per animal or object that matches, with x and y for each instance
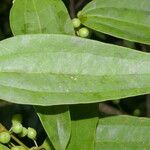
(139, 105)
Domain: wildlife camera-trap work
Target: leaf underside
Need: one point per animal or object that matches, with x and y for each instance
(127, 19)
(123, 133)
(33, 70)
(36, 16)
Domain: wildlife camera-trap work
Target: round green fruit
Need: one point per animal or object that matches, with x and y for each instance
(17, 128)
(31, 133)
(5, 137)
(17, 118)
(116, 102)
(78, 14)
(83, 32)
(24, 132)
(76, 22)
(137, 112)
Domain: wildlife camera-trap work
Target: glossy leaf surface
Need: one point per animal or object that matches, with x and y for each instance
(56, 120)
(123, 133)
(33, 70)
(36, 16)
(127, 19)
(84, 122)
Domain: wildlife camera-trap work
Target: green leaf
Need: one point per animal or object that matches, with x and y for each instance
(84, 122)
(123, 133)
(58, 69)
(36, 16)
(2, 147)
(56, 121)
(47, 144)
(127, 19)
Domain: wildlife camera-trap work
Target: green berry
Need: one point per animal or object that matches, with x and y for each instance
(116, 101)
(4, 137)
(17, 118)
(83, 32)
(76, 22)
(31, 133)
(24, 132)
(136, 112)
(18, 148)
(17, 128)
(78, 14)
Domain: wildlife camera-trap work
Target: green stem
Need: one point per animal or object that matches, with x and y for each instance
(12, 144)
(35, 143)
(19, 142)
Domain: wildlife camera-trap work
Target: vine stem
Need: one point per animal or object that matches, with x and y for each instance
(2, 129)
(110, 110)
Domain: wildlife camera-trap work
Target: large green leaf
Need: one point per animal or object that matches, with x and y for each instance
(128, 19)
(123, 133)
(59, 69)
(40, 16)
(84, 122)
(2, 147)
(56, 121)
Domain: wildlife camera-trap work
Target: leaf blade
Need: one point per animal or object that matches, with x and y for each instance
(56, 121)
(84, 122)
(2, 147)
(123, 132)
(35, 16)
(119, 19)
(63, 74)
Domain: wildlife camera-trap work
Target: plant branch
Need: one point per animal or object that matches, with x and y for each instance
(107, 109)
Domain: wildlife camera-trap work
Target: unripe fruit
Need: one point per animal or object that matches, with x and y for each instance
(31, 133)
(78, 14)
(18, 148)
(137, 112)
(24, 132)
(76, 22)
(4, 137)
(83, 32)
(17, 128)
(17, 118)
(116, 101)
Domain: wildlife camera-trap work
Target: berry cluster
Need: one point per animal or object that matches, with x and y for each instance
(17, 128)
(83, 31)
